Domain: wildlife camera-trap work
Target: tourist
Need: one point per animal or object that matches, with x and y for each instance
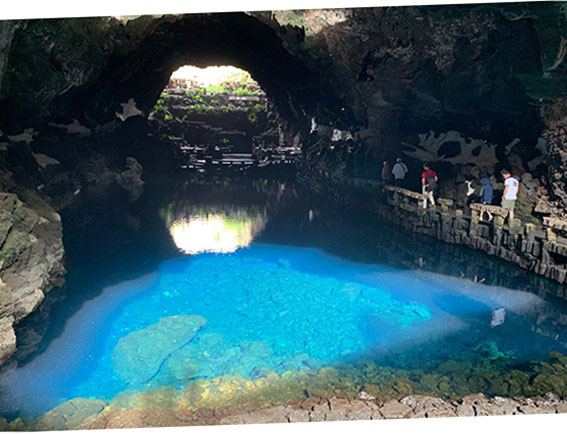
(487, 194)
(399, 171)
(387, 176)
(428, 184)
(510, 194)
(487, 191)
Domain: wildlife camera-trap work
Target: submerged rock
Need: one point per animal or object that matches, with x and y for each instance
(207, 357)
(140, 354)
(70, 414)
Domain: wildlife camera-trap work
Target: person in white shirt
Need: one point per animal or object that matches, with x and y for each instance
(510, 194)
(399, 171)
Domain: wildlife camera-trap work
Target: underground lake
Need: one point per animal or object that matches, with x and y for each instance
(254, 285)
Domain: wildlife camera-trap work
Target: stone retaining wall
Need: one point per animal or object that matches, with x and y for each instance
(541, 249)
(538, 248)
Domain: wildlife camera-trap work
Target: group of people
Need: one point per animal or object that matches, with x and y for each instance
(397, 175)
(509, 195)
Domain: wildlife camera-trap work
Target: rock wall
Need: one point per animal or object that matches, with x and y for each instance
(31, 253)
(33, 187)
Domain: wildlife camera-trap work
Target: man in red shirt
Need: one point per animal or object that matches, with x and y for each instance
(428, 184)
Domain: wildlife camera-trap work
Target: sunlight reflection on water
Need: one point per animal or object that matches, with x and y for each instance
(215, 233)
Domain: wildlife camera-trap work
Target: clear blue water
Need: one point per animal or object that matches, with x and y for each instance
(267, 307)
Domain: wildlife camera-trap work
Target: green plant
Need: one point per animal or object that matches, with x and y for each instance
(202, 107)
(194, 97)
(160, 106)
(244, 91)
(225, 141)
(168, 117)
(215, 88)
(252, 117)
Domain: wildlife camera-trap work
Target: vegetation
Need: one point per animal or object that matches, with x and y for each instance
(214, 97)
(160, 106)
(253, 117)
(244, 91)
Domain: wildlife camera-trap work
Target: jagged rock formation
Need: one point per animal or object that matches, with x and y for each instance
(30, 260)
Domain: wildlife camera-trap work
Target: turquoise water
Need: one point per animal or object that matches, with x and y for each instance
(140, 314)
(260, 309)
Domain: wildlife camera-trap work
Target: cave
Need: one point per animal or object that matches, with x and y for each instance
(288, 210)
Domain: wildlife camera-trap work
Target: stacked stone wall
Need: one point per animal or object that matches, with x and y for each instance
(541, 248)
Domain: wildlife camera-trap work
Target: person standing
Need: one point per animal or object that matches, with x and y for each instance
(399, 171)
(510, 194)
(487, 191)
(387, 176)
(487, 195)
(428, 184)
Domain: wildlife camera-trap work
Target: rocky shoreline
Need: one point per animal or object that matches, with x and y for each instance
(326, 394)
(363, 407)
(83, 413)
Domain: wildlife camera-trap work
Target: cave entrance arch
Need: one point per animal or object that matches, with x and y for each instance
(299, 89)
(217, 117)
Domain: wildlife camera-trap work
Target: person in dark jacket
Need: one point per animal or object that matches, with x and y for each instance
(387, 176)
(487, 194)
(487, 191)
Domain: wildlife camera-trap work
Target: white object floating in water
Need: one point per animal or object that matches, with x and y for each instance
(498, 317)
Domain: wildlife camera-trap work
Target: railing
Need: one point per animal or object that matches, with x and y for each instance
(404, 198)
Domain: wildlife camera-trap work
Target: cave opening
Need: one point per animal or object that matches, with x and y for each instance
(219, 118)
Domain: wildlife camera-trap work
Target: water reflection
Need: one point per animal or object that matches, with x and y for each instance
(217, 233)
(274, 311)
